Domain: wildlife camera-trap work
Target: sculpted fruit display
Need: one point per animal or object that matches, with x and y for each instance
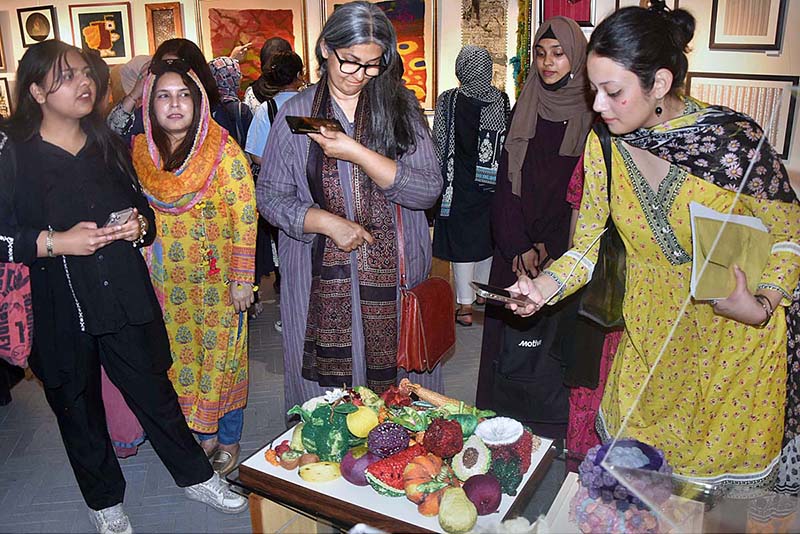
(444, 438)
(320, 472)
(361, 421)
(354, 465)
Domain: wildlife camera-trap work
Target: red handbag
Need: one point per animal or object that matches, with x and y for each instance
(427, 328)
(16, 314)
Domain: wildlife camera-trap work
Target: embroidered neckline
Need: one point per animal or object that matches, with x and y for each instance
(657, 204)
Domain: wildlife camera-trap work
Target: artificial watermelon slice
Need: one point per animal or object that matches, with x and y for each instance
(386, 476)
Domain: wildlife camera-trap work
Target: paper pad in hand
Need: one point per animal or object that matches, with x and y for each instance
(745, 242)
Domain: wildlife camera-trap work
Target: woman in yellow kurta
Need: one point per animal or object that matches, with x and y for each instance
(715, 400)
(202, 263)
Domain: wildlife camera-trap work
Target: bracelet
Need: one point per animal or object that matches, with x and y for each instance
(142, 230)
(48, 242)
(767, 305)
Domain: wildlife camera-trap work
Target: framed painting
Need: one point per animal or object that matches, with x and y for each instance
(2, 53)
(37, 24)
(768, 99)
(164, 22)
(581, 11)
(227, 23)
(5, 99)
(747, 24)
(105, 28)
(415, 24)
(671, 4)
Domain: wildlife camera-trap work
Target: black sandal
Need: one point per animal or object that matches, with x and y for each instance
(460, 314)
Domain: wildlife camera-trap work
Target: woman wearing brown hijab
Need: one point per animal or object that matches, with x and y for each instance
(531, 222)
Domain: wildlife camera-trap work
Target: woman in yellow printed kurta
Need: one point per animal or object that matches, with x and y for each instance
(715, 400)
(202, 263)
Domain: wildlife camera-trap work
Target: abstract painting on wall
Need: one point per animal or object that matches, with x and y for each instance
(414, 22)
(164, 22)
(228, 23)
(105, 28)
(747, 24)
(581, 11)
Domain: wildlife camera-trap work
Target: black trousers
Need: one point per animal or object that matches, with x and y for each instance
(126, 357)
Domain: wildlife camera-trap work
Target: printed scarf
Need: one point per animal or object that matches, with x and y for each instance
(328, 348)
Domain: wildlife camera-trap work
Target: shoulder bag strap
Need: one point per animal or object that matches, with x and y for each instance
(272, 109)
(604, 135)
(401, 253)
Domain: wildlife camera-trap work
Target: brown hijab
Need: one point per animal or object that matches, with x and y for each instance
(570, 103)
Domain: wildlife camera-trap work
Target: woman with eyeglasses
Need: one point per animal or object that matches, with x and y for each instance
(93, 302)
(202, 262)
(334, 196)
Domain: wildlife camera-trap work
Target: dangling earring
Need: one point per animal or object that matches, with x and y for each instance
(571, 75)
(659, 111)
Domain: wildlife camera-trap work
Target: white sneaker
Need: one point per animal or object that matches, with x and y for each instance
(216, 493)
(111, 520)
(278, 326)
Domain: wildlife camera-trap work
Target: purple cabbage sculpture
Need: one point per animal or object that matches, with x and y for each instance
(644, 468)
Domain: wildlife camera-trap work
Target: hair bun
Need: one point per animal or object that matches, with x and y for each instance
(683, 24)
(658, 5)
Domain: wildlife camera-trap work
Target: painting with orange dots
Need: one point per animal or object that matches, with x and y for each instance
(414, 23)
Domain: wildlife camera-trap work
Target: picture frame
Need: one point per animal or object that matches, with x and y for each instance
(37, 24)
(756, 95)
(420, 66)
(619, 4)
(747, 24)
(164, 21)
(584, 12)
(227, 23)
(5, 99)
(2, 52)
(104, 27)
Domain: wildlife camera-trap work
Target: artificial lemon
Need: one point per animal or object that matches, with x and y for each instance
(360, 422)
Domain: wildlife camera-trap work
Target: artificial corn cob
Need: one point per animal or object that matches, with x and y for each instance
(436, 399)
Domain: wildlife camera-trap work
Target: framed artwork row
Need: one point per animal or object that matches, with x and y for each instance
(768, 99)
(37, 24)
(105, 28)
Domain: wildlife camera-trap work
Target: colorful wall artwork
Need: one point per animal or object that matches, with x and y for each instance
(105, 28)
(582, 11)
(231, 27)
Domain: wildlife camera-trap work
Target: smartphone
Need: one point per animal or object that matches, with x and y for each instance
(305, 125)
(119, 217)
(499, 294)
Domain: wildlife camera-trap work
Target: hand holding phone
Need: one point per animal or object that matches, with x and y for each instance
(118, 217)
(306, 125)
(499, 294)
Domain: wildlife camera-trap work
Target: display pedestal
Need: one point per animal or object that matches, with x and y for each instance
(269, 516)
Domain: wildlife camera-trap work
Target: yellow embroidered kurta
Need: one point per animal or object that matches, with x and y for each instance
(195, 254)
(715, 401)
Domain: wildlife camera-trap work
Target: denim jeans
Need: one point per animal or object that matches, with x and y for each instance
(230, 428)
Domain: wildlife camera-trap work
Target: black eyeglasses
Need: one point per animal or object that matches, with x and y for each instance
(351, 67)
(169, 65)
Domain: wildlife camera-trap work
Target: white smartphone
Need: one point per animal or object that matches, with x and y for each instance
(499, 294)
(119, 217)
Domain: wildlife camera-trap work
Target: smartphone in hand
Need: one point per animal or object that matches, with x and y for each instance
(119, 217)
(306, 125)
(499, 294)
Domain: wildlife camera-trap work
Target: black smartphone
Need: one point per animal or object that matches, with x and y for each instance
(499, 294)
(305, 125)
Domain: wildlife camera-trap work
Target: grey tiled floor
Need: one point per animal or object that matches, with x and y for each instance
(38, 492)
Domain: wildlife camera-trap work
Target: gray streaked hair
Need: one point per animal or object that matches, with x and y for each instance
(395, 111)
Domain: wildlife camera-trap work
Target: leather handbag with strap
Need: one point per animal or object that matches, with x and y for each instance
(16, 313)
(602, 298)
(427, 329)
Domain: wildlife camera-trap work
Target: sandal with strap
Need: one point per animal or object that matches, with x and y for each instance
(463, 322)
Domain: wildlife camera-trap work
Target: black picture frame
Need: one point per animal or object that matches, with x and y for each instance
(43, 14)
(717, 39)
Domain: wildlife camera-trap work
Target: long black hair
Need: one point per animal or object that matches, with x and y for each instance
(48, 57)
(190, 53)
(645, 40)
(395, 111)
(262, 88)
(173, 160)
